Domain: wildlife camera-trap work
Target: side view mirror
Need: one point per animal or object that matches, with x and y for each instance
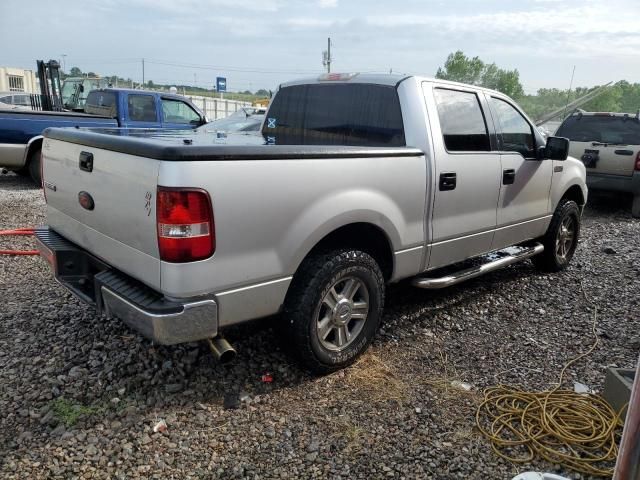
(557, 148)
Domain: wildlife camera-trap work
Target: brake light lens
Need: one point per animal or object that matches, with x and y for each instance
(336, 77)
(637, 167)
(185, 225)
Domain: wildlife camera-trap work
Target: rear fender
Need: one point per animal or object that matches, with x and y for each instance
(325, 217)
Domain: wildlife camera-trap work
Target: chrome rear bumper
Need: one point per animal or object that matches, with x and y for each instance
(163, 320)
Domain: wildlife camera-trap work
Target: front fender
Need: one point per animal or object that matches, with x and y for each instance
(33, 144)
(573, 174)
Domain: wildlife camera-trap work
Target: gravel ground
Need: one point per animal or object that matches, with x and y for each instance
(80, 395)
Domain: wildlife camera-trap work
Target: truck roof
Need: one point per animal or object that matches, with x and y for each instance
(390, 79)
(134, 91)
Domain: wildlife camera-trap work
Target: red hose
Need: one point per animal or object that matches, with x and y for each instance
(18, 231)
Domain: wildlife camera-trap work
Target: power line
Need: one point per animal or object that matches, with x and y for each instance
(228, 68)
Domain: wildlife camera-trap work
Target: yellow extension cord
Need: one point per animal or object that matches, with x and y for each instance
(576, 430)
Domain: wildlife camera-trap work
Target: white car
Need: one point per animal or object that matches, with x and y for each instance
(15, 101)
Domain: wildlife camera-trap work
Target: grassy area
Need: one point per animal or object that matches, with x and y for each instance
(69, 412)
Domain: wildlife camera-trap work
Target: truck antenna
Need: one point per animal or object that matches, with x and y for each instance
(569, 92)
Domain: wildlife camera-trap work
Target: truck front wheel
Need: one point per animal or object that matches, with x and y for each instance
(333, 309)
(561, 239)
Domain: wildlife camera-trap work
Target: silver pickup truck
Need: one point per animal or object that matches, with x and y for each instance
(357, 181)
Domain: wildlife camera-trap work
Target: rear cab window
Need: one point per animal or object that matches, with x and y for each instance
(613, 129)
(462, 121)
(355, 114)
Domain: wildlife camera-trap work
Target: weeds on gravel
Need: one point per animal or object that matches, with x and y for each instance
(351, 434)
(69, 412)
(377, 380)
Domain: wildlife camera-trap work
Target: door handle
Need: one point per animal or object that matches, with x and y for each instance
(448, 181)
(86, 161)
(508, 176)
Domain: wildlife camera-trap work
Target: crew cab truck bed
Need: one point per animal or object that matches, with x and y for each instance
(21, 131)
(358, 181)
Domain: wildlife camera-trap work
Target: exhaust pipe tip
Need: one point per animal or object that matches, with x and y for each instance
(221, 349)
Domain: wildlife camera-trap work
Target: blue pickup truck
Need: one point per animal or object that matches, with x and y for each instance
(21, 131)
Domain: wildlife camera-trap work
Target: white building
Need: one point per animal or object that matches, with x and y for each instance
(17, 80)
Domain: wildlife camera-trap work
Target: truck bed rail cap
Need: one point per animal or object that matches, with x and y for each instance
(172, 151)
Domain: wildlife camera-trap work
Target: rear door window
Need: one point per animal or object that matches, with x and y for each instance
(101, 103)
(601, 128)
(142, 108)
(462, 122)
(335, 114)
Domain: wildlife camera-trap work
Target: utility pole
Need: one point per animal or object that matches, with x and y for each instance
(143, 72)
(64, 57)
(326, 56)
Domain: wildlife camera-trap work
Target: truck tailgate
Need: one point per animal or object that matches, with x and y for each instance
(120, 226)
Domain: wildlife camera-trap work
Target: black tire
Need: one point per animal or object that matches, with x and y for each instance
(555, 257)
(34, 167)
(635, 206)
(23, 172)
(320, 276)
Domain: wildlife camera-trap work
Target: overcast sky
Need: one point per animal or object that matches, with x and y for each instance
(259, 43)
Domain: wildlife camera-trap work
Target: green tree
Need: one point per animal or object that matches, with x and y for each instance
(460, 68)
(262, 93)
(75, 72)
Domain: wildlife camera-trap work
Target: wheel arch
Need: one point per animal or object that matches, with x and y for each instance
(574, 192)
(365, 236)
(33, 144)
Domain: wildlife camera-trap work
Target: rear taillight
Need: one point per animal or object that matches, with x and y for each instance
(185, 224)
(637, 167)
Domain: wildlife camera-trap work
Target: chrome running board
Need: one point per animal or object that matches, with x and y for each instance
(473, 272)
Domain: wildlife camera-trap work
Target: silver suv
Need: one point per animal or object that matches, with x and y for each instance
(609, 146)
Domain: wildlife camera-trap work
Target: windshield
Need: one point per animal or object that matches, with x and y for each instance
(238, 122)
(601, 128)
(75, 90)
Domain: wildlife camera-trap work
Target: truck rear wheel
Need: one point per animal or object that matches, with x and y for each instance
(34, 167)
(635, 206)
(333, 309)
(561, 239)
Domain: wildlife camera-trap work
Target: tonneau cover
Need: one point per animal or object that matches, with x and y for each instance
(208, 145)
